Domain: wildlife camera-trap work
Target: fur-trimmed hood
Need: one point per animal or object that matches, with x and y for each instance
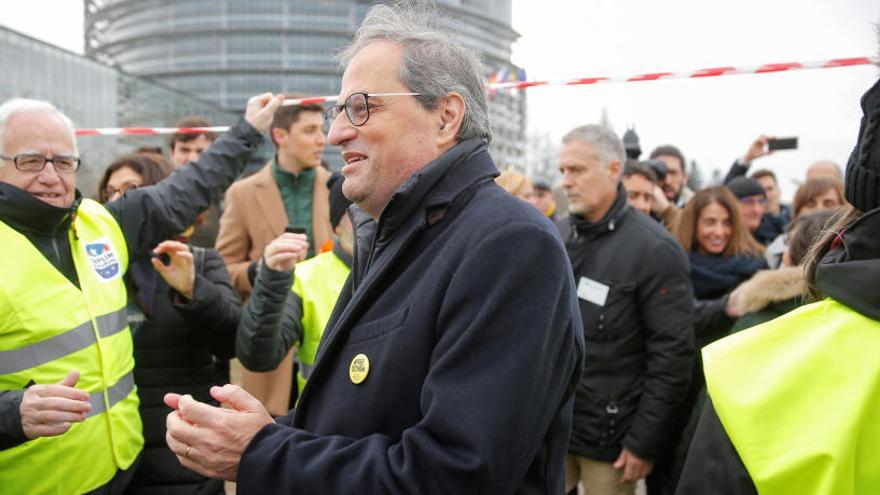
(771, 286)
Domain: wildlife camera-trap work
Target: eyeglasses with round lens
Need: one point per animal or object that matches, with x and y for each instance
(357, 107)
(35, 162)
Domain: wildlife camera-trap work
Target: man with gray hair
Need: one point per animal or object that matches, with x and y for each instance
(635, 299)
(69, 419)
(450, 361)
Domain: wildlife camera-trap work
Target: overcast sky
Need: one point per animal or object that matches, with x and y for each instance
(711, 120)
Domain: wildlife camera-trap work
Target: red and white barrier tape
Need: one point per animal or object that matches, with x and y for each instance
(131, 131)
(655, 76)
(701, 73)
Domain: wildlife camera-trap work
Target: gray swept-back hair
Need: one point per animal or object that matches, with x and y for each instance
(434, 64)
(608, 145)
(16, 105)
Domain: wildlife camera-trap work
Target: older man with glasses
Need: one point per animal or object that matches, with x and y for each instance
(69, 418)
(752, 205)
(450, 361)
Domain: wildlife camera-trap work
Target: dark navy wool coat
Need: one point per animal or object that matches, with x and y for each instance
(462, 299)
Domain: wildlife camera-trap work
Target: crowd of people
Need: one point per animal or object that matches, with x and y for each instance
(651, 297)
(421, 322)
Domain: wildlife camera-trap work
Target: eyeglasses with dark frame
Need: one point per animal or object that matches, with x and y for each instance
(357, 107)
(35, 162)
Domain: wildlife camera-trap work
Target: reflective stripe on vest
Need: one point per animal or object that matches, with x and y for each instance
(318, 282)
(799, 398)
(48, 327)
(115, 393)
(80, 337)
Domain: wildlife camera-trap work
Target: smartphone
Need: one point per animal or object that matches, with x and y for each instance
(294, 230)
(789, 143)
(165, 258)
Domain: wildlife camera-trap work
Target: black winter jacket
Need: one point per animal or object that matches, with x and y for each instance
(174, 351)
(272, 320)
(713, 278)
(462, 300)
(713, 465)
(639, 341)
(146, 216)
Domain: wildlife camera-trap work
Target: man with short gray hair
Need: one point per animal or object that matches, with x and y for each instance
(450, 361)
(635, 299)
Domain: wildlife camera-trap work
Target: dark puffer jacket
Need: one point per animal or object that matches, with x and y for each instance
(639, 344)
(174, 351)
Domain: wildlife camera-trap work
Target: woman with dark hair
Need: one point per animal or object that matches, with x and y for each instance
(793, 403)
(722, 255)
(130, 172)
(820, 194)
(183, 314)
(772, 293)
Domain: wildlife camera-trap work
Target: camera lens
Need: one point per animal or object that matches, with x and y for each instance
(659, 167)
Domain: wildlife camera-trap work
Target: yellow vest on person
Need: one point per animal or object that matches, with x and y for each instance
(48, 327)
(318, 282)
(799, 397)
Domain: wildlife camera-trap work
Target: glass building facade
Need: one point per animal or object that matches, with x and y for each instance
(225, 51)
(94, 95)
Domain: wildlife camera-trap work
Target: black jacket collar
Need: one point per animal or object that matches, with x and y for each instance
(415, 191)
(435, 186)
(30, 216)
(611, 221)
(849, 272)
(44, 225)
(341, 254)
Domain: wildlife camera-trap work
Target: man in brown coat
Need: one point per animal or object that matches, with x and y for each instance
(290, 190)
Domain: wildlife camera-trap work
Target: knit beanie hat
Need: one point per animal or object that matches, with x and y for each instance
(863, 169)
(743, 187)
(338, 202)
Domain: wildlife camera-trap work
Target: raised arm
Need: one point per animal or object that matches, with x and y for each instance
(272, 320)
(152, 214)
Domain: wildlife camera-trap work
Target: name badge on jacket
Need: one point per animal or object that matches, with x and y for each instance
(591, 291)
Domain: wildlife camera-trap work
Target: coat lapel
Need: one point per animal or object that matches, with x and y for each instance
(374, 276)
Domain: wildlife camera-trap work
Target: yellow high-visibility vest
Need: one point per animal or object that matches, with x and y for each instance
(799, 397)
(48, 327)
(318, 282)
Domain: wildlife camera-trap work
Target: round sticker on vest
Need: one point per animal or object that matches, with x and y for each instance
(103, 259)
(359, 369)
